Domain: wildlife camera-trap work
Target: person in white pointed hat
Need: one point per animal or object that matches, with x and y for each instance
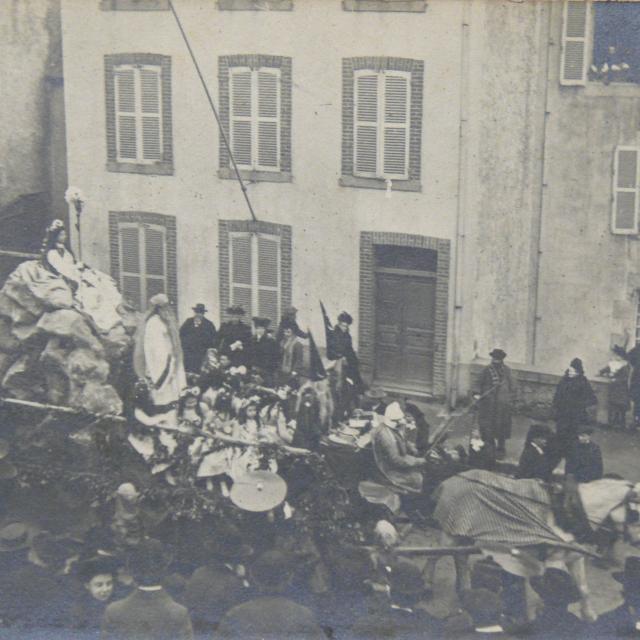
(395, 456)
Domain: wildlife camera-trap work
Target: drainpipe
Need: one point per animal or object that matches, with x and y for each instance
(538, 230)
(461, 207)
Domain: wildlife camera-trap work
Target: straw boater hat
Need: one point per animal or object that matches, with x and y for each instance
(16, 535)
(258, 491)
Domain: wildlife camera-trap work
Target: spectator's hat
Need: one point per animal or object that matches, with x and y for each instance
(200, 308)
(345, 317)
(235, 310)
(375, 393)
(585, 429)
(54, 551)
(159, 300)
(630, 579)
(258, 491)
(498, 354)
(288, 323)
(576, 364)
(555, 586)
(227, 544)
(261, 322)
(16, 535)
(393, 414)
(97, 566)
(290, 311)
(539, 431)
(149, 561)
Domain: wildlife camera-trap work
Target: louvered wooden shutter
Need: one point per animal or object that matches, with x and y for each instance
(268, 277)
(150, 92)
(241, 271)
(395, 151)
(241, 130)
(573, 69)
(155, 260)
(268, 118)
(125, 82)
(130, 264)
(626, 178)
(366, 124)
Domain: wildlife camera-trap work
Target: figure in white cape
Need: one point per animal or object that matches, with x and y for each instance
(158, 354)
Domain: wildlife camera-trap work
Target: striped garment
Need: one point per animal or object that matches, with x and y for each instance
(495, 509)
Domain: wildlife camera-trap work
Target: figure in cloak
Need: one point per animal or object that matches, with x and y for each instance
(197, 334)
(497, 392)
(264, 353)
(234, 337)
(95, 294)
(158, 354)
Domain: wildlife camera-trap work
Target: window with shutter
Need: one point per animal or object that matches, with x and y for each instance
(626, 180)
(381, 124)
(255, 117)
(255, 274)
(573, 61)
(139, 115)
(138, 109)
(143, 262)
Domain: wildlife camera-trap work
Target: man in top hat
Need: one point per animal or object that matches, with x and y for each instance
(271, 614)
(234, 336)
(584, 460)
(624, 621)
(395, 456)
(497, 391)
(264, 353)
(149, 611)
(401, 617)
(557, 590)
(197, 334)
(222, 582)
(289, 317)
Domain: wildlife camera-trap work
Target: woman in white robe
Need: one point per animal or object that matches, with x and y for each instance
(94, 293)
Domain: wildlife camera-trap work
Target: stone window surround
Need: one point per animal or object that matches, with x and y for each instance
(407, 6)
(134, 5)
(366, 325)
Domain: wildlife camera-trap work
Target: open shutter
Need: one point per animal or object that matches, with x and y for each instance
(366, 124)
(573, 65)
(151, 116)
(155, 260)
(624, 216)
(268, 121)
(125, 82)
(395, 150)
(269, 278)
(130, 264)
(241, 131)
(241, 271)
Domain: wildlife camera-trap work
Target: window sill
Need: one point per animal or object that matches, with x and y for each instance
(227, 173)
(158, 169)
(134, 5)
(376, 183)
(614, 89)
(255, 5)
(407, 6)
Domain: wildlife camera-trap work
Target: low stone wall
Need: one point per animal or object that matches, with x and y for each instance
(535, 390)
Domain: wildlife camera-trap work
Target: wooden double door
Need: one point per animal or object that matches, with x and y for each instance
(405, 329)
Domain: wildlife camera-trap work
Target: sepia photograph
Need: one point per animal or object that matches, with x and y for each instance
(319, 319)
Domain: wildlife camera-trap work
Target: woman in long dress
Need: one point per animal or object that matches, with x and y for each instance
(95, 294)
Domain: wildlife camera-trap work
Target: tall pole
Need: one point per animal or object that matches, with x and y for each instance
(215, 112)
(78, 207)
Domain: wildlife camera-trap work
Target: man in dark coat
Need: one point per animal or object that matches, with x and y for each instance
(584, 460)
(234, 337)
(149, 611)
(633, 358)
(264, 353)
(572, 398)
(221, 583)
(271, 615)
(557, 590)
(625, 620)
(197, 334)
(497, 391)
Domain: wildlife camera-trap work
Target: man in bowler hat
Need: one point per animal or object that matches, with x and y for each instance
(197, 334)
(497, 392)
(149, 611)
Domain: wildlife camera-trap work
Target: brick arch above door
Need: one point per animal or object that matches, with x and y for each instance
(367, 329)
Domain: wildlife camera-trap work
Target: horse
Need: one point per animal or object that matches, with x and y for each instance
(512, 520)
